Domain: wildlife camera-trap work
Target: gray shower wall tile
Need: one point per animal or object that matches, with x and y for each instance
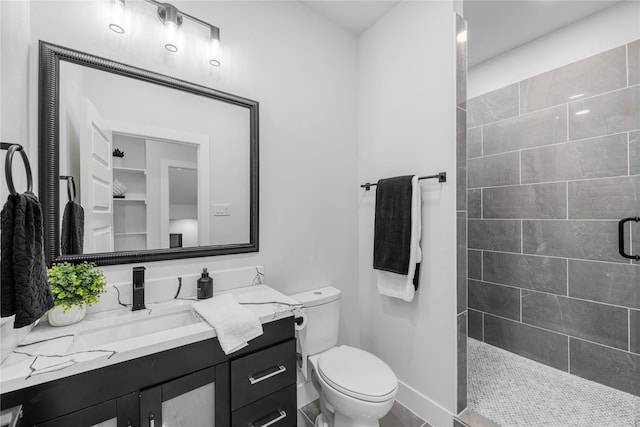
(610, 198)
(634, 153)
(461, 160)
(540, 201)
(474, 142)
(537, 344)
(634, 62)
(502, 169)
(461, 137)
(589, 240)
(493, 106)
(474, 203)
(475, 324)
(590, 158)
(543, 127)
(462, 363)
(461, 63)
(500, 300)
(634, 323)
(461, 261)
(636, 239)
(615, 368)
(591, 76)
(612, 112)
(617, 284)
(474, 263)
(461, 188)
(526, 271)
(595, 322)
(498, 235)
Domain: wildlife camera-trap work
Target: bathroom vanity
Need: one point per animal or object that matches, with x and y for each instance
(182, 379)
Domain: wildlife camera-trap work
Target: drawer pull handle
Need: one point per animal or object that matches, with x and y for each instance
(278, 371)
(282, 416)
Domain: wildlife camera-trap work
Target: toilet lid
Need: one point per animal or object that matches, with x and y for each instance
(358, 374)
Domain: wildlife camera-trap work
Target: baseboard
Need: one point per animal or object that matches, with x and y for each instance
(306, 393)
(424, 407)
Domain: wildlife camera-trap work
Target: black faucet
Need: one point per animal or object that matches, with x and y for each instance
(138, 288)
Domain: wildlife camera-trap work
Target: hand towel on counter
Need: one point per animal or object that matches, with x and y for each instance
(235, 325)
(72, 239)
(25, 287)
(396, 243)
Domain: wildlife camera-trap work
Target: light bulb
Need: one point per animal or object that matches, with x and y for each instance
(214, 46)
(117, 16)
(172, 30)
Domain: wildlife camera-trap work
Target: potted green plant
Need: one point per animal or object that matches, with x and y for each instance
(74, 286)
(118, 158)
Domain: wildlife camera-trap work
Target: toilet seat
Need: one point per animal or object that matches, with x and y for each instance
(358, 374)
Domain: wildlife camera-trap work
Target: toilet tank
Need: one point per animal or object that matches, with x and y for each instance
(323, 316)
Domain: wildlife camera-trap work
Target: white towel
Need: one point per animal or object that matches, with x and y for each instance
(398, 285)
(235, 325)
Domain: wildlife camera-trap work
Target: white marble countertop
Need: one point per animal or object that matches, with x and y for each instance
(49, 353)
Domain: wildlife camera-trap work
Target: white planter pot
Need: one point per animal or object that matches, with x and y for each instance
(118, 162)
(58, 317)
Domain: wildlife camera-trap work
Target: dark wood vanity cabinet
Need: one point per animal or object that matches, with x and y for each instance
(255, 386)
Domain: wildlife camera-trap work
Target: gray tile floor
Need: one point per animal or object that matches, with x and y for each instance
(399, 416)
(514, 391)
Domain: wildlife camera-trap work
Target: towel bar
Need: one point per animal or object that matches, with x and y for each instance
(442, 177)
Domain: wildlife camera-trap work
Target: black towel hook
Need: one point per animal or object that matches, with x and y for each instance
(11, 149)
(71, 184)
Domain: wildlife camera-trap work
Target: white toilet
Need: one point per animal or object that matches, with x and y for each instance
(356, 388)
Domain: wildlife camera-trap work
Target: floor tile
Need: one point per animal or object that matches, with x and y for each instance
(398, 416)
(514, 391)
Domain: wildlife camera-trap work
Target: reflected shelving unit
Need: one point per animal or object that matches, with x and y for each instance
(130, 211)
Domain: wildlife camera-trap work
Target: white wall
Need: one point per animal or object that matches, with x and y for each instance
(612, 27)
(406, 125)
(14, 54)
(302, 70)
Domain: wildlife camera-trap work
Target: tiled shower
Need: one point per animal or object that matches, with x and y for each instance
(553, 165)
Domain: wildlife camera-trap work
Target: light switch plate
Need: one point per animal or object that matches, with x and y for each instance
(222, 209)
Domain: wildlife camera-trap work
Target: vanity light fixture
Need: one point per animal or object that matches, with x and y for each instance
(172, 18)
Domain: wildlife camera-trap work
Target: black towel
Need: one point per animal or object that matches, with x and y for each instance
(72, 229)
(392, 231)
(25, 288)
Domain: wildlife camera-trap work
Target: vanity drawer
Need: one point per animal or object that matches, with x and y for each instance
(262, 373)
(275, 410)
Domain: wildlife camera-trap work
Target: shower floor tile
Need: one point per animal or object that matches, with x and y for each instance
(514, 391)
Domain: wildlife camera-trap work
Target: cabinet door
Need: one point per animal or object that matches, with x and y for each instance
(186, 401)
(120, 412)
(101, 415)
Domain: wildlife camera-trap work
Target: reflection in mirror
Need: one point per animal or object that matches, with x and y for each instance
(163, 168)
(185, 169)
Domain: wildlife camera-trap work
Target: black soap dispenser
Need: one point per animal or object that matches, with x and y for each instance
(205, 285)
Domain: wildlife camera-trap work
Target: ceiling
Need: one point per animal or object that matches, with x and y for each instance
(494, 27)
(352, 15)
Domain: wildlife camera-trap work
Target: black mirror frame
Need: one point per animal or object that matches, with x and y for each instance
(48, 136)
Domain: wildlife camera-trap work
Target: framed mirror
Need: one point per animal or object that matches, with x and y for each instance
(186, 185)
